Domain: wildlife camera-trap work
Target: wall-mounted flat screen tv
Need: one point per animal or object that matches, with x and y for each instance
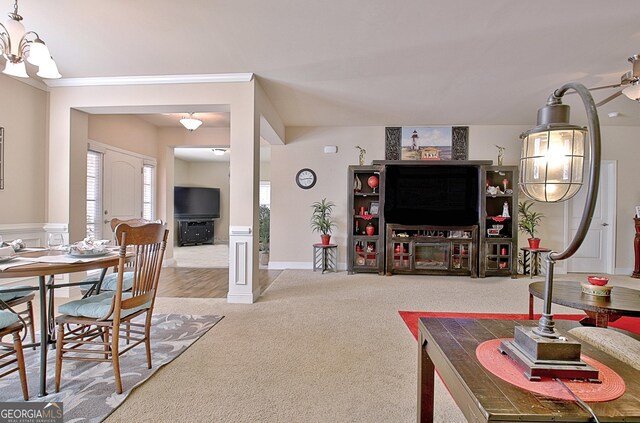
(196, 202)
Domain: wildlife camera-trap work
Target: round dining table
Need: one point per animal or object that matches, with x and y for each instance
(42, 270)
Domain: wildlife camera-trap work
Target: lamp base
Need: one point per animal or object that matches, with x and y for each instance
(547, 357)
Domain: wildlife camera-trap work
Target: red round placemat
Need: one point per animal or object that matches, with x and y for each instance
(502, 366)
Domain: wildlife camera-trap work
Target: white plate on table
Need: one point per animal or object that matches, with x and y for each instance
(7, 259)
(88, 254)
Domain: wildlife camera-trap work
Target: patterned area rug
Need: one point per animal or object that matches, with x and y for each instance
(88, 389)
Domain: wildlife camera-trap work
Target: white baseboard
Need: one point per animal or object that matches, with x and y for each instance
(242, 298)
(623, 271)
(282, 265)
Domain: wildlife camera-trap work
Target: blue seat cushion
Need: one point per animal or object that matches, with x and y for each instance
(8, 296)
(110, 282)
(7, 318)
(97, 306)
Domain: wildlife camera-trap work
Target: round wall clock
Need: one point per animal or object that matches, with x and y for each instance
(306, 178)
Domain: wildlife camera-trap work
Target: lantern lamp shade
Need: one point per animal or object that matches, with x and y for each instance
(552, 163)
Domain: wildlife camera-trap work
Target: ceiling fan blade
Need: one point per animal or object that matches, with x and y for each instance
(604, 87)
(608, 99)
(598, 88)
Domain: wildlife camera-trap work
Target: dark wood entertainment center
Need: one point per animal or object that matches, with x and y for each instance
(195, 231)
(441, 217)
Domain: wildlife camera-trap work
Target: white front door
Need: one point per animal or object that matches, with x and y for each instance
(122, 190)
(597, 252)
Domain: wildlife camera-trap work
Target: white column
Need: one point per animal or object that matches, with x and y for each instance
(244, 169)
(241, 286)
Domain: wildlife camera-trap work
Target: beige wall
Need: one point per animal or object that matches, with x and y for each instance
(126, 132)
(23, 111)
(180, 172)
(623, 145)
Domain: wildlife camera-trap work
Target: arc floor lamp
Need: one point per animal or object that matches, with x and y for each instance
(552, 170)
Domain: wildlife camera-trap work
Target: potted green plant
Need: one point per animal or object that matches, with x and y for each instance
(528, 221)
(264, 220)
(321, 220)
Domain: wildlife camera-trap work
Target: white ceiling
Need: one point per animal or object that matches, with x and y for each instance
(360, 62)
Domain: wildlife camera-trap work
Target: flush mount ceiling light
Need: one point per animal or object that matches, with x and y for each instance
(191, 123)
(16, 45)
(219, 151)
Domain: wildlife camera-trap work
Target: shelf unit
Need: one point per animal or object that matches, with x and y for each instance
(499, 248)
(365, 251)
(423, 249)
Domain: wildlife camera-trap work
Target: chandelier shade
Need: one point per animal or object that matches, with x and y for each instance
(49, 70)
(18, 45)
(190, 122)
(16, 69)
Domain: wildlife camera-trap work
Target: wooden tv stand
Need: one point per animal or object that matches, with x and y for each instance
(195, 231)
(434, 250)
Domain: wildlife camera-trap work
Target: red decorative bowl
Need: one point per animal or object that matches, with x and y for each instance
(597, 280)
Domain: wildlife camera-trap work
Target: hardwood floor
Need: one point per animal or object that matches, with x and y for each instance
(184, 282)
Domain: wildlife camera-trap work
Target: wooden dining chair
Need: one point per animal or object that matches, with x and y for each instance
(10, 324)
(99, 322)
(13, 301)
(107, 282)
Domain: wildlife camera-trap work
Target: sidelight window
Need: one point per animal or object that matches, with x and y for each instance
(94, 194)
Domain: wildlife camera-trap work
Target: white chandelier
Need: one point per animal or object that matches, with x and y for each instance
(191, 123)
(16, 45)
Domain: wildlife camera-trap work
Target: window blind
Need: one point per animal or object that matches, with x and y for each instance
(94, 194)
(148, 176)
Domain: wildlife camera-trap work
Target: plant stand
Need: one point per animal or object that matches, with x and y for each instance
(325, 257)
(534, 268)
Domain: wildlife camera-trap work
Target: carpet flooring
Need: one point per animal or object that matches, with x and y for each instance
(317, 348)
(410, 318)
(216, 255)
(87, 389)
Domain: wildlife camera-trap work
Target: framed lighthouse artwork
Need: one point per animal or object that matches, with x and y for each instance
(426, 143)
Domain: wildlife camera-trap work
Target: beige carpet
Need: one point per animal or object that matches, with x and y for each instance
(315, 348)
(216, 255)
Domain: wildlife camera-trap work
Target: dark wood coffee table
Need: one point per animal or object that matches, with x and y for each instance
(449, 346)
(600, 310)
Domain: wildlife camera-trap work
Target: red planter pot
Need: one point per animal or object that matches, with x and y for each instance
(534, 243)
(325, 239)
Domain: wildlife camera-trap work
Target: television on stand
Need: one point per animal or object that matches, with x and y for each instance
(195, 208)
(196, 202)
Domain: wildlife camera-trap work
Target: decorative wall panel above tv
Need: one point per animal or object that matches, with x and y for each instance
(427, 143)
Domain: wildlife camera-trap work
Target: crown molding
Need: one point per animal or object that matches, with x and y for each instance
(149, 80)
